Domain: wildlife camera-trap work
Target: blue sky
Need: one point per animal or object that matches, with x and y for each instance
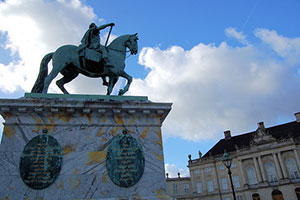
(223, 64)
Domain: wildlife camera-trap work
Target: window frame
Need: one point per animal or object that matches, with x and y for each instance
(197, 172)
(210, 186)
(207, 169)
(235, 180)
(252, 180)
(239, 197)
(221, 167)
(199, 183)
(175, 188)
(271, 172)
(186, 188)
(293, 171)
(233, 165)
(224, 184)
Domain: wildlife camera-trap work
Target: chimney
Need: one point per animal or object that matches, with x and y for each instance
(297, 115)
(227, 135)
(261, 125)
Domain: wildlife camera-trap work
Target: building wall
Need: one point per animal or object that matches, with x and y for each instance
(179, 187)
(262, 156)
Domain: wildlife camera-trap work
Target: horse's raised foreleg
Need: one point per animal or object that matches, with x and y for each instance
(104, 82)
(129, 80)
(66, 79)
(111, 84)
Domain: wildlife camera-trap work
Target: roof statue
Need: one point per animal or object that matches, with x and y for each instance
(90, 59)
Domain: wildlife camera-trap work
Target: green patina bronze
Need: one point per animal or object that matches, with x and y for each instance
(91, 59)
(86, 97)
(41, 161)
(125, 160)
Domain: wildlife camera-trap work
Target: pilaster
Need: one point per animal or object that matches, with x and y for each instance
(283, 167)
(242, 172)
(262, 169)
(257, 170)
(278, 170)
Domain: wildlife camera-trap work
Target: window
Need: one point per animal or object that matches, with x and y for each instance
(292, 168)
(224, 183)
(239, 197)
(186, 188)
(197, 172)
(251, 175)
(175, 190)
(297, 190)
(233, 165)
(255, 196)
(227, 198)
(199, 187)
(207, 169)
(277, 195)
(236, 181)
(221, 167)
(210, 186)
(271, 172)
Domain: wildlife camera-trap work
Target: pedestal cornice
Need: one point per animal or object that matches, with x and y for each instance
(87, 104)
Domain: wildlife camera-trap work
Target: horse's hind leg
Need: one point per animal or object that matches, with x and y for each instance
(66, 79)
(49, 78)
(111, 84)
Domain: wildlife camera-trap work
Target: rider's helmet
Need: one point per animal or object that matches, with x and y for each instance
(92, 25)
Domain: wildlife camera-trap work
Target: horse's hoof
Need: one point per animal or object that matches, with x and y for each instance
(105, 83)
(121, 92)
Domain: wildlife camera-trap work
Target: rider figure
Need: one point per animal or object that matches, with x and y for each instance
(91, 40)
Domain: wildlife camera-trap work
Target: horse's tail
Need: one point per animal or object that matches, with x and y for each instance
(39, 83)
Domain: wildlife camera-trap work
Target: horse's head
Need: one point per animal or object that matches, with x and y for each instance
(131, 43)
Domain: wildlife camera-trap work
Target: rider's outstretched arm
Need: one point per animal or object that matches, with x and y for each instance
(104, 26)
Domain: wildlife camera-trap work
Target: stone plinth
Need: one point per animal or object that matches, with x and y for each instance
(84, 126)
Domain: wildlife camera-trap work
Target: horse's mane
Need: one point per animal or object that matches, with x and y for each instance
(119, 40)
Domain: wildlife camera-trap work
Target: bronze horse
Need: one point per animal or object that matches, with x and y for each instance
(65, 60)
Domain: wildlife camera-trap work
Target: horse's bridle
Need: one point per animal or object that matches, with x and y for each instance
(121, 50)
(118, 50)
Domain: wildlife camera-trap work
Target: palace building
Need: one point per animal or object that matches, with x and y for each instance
(265, 166)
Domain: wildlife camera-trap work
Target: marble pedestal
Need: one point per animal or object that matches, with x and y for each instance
(84, 127)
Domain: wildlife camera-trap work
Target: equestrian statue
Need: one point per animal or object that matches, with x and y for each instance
(91, 59)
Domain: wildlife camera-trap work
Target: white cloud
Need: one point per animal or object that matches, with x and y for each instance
(232, 32)
(285, 47)
(34, 28)
(216, 88)
(213, 87)
(173, 171)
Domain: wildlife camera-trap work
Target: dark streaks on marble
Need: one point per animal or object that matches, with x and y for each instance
(23, 135)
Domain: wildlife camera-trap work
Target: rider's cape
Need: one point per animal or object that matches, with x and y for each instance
(88, 51)
(92, 55)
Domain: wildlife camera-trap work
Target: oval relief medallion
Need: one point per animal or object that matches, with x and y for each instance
(125, 160)
(41, 161)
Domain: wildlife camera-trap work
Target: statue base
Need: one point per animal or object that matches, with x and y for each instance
(85, 128)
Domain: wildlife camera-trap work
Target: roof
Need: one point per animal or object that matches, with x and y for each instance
(178, 179)
(279, 132)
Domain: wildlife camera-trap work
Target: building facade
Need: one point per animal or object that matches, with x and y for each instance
(265, 166)
(179, 186)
